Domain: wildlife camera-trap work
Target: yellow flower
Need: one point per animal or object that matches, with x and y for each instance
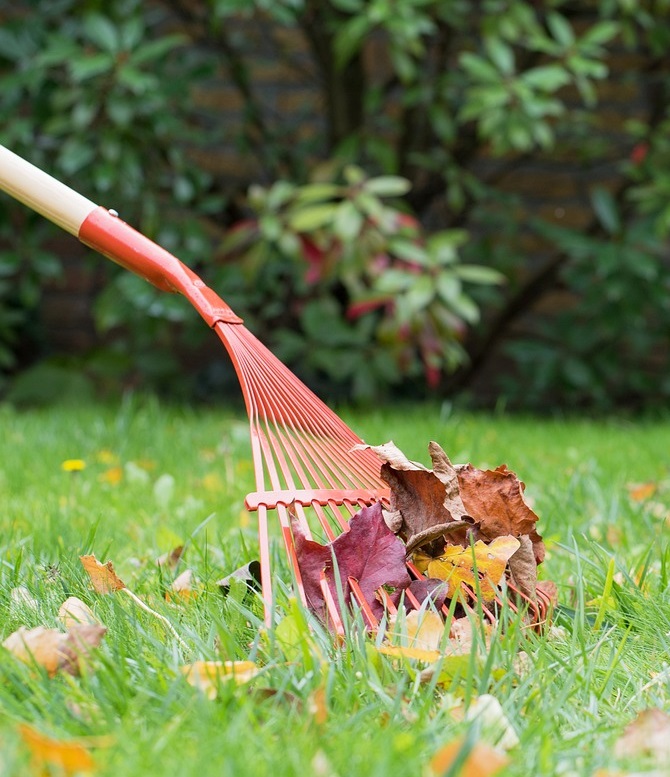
(73, 465)
(108, 457)
(114, 475)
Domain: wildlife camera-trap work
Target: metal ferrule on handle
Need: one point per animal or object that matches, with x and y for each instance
(105, 232)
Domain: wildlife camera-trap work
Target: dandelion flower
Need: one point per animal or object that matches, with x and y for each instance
(73, 465)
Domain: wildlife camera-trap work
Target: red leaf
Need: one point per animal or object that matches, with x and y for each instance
(369, 552)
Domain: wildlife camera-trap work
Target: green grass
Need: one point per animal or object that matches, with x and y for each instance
(185, 475)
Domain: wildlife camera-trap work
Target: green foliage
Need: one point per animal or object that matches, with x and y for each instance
(97, 97)
(346, 287)
(439, 103)
(606, 344)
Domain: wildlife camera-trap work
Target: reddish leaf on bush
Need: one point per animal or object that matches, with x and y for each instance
(369, 552)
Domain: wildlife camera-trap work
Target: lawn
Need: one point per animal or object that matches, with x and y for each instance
(159, 476)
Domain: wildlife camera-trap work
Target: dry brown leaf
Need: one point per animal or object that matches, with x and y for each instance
(171, 560)
(480, 761)
(39, 645)
(103, 577)
(207, 676)
(449, 499)
(647, 736)
(427, 500)
(55, 650)
(47, 753)
(182, 587)
(523, 568)
(82, 639)
(389, 453)
(73, 611)
(494, 498)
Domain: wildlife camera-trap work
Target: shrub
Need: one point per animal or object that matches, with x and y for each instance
(450, 97)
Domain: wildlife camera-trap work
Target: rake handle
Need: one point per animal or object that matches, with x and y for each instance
(106, 233)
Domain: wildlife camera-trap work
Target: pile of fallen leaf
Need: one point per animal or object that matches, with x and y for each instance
(464, 529)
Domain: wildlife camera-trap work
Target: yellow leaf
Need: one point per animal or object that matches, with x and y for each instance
(103, 577)
(457, 565)
(208, 675)
(417, 654)
(46, 753)
(480, 761)
(425, 630)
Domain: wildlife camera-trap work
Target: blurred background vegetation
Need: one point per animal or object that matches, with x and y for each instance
(401, 197)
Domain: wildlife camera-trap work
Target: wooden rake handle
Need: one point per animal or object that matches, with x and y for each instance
(105, 232)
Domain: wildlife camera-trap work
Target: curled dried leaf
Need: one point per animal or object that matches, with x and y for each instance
(103, 577)
(55, 650)
(523, 568)
(171, 560)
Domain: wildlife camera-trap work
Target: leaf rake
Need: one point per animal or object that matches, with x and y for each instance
(302, 451)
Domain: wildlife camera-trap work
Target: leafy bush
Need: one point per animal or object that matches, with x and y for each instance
(96, 97)
(452, 97)
(349, 288)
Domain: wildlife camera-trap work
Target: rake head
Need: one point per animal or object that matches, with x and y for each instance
(306, 470)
